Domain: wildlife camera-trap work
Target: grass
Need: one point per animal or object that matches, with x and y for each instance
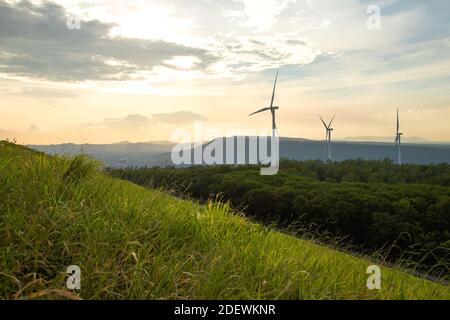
(135, 243)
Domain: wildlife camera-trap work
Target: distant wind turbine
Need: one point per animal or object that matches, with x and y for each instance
(328, 135)
(272, 108)
(398, 141)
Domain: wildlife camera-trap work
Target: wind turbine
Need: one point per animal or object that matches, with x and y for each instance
(272, 108)
(328, 134)
(398, 140)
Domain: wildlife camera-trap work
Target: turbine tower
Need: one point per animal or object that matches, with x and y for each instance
(328, 129)
(398, 141)
(272, 108)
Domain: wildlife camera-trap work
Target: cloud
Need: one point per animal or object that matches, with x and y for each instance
(257, 53)
(178, 118)
(33, 128)
(36, 42)
(138, 121)
(128, 122)
(259, 14)
(12, 134)
(131, 121)
(43, 93)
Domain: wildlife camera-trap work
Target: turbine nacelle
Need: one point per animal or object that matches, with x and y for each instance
(264, 110)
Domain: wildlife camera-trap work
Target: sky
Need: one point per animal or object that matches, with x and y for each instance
(104, 71)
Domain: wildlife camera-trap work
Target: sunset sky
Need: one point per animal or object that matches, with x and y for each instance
(137, 70)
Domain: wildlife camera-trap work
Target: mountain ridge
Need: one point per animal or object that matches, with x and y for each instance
(156, 154)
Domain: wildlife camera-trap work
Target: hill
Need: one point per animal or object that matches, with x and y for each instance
(373, 207)
(122, 154)
(135, 243)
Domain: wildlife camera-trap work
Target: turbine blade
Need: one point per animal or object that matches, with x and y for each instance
(323, 122)
(274, 87)
(331, 121)
(259, 111)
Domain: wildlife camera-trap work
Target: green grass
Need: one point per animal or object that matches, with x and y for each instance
(135, 243)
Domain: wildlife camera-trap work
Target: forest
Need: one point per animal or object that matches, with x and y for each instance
(374, 208)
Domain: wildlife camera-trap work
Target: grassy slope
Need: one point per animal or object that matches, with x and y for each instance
(131, 242)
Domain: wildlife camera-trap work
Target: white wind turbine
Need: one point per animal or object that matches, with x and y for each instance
(328, 135)
(272, 108)
(398, 140)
